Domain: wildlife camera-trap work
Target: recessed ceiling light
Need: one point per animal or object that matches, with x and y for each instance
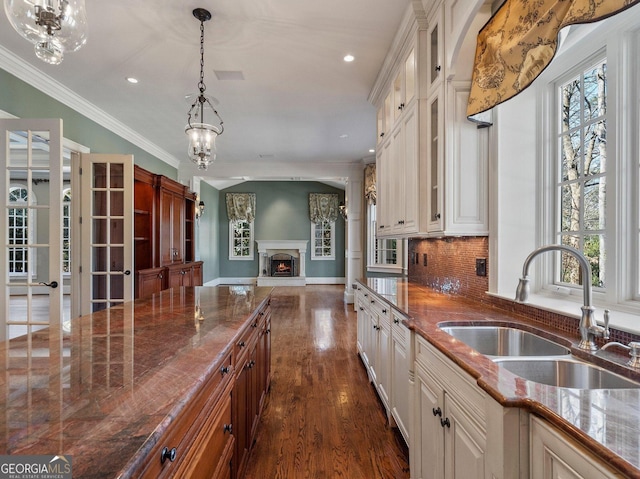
(372, 150)
(344, 136)
(132, 80)
(349, 58)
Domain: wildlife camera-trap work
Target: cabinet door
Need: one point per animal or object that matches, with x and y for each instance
(434, 127)
(239, 414)
(177, 227)
(429, 459)
(400, 378)
(465, 444)
(362, 324)
(411, 174)
(395, 178)
(150, 281)
(384, 172)
(370, 337)
(165, 228)
(434, 51)
(383, 360)
(556, 456)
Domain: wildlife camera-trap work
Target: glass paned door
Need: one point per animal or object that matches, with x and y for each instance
(31, 209)
(107, 231)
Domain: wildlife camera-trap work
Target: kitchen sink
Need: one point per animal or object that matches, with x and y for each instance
(565, 373)
(505, 341)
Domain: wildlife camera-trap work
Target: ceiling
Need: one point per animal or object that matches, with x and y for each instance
(300, 111)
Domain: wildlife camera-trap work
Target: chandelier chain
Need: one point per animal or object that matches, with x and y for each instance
(201, 84)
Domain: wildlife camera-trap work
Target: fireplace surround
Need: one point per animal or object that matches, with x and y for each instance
(282, 262)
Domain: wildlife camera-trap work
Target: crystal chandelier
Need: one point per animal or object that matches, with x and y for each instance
(202, 136)
(53, 26)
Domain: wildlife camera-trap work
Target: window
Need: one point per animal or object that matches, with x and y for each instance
(582, 172)
(66, 231)
(383, 255)
(19, 231)
(241, 240)
(323, 235)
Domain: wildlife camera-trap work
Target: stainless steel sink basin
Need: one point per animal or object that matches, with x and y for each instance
(505, 341)
(565, 373)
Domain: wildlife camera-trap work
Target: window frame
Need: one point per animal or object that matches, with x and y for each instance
(232, 255)
(332, 254)
(373, 251)
(31, 232)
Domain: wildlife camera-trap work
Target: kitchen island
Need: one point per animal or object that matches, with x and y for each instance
(114, 388)
(523, 422)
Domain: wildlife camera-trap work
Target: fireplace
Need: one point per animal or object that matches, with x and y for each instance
(282, 265)
(282, 262)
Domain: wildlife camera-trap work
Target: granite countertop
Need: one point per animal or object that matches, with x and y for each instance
(104, 389)
(605, 421)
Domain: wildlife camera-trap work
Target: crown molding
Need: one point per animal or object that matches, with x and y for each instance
(37, 79)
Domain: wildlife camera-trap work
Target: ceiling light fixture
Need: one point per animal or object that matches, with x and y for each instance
(348, 58)
(202, 136)
(53, 26)
(132, 80)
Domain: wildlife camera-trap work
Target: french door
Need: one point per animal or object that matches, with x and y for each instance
(30, 226)
(107, 231)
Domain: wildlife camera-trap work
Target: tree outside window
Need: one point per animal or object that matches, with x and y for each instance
(582, 145)
(323, 237)
(241, 240)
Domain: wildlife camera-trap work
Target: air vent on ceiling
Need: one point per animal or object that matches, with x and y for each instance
(228, 75)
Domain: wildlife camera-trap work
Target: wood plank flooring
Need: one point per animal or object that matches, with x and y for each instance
(322, 418)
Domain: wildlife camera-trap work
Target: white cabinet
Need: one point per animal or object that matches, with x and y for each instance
(459, 431)
(431, 161)
(383, 344)
(554, 455)
(399, 401)
(452, 436)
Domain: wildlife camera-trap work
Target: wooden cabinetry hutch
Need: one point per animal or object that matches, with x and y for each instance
(164, 234)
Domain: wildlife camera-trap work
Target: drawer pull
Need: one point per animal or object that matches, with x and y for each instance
(224, 370)
(228, 428)
(168, 454)
(396, 320)
(384, 311)
(241, 344)
(445, 422)
(437, 412)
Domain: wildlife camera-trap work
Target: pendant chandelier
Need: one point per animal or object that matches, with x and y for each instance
(53, 26)
(202, 136)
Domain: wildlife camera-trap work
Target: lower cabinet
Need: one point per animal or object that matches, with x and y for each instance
(452, 421)
(555, 455)
(252, 359)
(383, 345)
(200, 441)
(154, 280)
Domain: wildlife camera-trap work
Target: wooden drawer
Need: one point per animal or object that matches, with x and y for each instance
(207, 451)
(185, 428)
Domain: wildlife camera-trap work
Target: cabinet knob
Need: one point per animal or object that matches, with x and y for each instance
(160, 276)
(437, 216)
(438, 68)
(254, 325)
(228, 428)
(241, 344)
(381, 134)
(361, 308)
(437, 412)
(225, 370)
(167, 454)
(445, 422)
(384, 311)
(396, 321)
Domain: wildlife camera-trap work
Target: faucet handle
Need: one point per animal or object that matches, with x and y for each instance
(605, 333)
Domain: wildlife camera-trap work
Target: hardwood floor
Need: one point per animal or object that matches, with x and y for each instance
(322, 418)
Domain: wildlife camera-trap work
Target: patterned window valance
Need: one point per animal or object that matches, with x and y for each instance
(520, 40)
(323, 207)
(241, 206)
(370, 189)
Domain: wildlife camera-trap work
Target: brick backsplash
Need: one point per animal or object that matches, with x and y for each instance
(451, 269)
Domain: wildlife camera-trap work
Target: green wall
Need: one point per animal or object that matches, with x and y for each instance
(282, 213)
(207, 233)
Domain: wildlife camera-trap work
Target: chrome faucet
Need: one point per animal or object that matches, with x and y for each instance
(589, 330)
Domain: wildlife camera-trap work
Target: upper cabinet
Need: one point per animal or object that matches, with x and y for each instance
(431, 161)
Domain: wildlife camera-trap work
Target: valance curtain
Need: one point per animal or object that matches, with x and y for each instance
(370, 190)
(241, 206)
(323, 207)
(520, 40)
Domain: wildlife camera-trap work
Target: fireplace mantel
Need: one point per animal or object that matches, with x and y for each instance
(296, 248)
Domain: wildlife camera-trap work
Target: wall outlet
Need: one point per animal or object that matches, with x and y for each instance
(481, 266)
